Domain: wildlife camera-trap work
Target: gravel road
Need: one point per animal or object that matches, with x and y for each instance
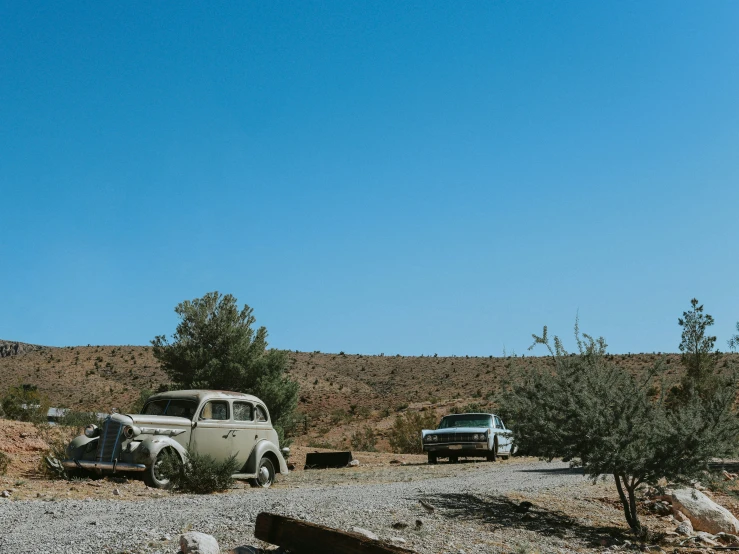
(154, 524)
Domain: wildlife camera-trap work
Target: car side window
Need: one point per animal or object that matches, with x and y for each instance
(243, 411)
(261, 413)
(215, 409)
(499, 423)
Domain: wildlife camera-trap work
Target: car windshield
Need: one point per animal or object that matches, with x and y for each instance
(178, 407)
(465, 420)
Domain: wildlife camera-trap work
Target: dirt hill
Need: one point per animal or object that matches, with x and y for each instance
(339, 393)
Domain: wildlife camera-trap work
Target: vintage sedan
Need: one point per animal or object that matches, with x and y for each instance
(468, 435)
(217, 423)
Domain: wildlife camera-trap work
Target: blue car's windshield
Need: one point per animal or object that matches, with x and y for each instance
(171, 407)
(466, 420)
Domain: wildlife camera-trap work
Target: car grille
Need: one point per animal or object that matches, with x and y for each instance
(456, 437)
(109, 441)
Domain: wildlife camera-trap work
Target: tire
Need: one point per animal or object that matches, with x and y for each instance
(493, 455)
(153, 476)
(432, 458)
(265, 474)
(453, 459)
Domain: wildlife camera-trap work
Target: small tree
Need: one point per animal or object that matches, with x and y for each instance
(609, 421)
(216, 347)
(699, 357)
(734, 341)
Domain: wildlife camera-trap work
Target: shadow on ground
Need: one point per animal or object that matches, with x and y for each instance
(502, 512)
(556, 470)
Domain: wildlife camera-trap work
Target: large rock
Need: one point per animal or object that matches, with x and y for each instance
(704, 514)
(198, 543)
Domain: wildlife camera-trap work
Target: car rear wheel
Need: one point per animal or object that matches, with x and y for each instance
(265, 474)
(157, 475)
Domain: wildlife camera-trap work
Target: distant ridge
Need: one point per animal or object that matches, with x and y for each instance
(13, 348)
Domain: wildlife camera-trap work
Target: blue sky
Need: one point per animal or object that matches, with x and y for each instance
(413, 178)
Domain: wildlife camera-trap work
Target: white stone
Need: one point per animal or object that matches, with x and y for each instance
(704, 514)
(198, 543)
(365, 532)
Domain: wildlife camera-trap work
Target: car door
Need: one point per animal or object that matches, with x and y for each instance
(212, 434)
(245, 431)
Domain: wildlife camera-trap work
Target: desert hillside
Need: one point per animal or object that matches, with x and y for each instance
(339, 393)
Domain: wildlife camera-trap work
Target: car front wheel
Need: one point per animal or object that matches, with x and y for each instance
(432, 458)
(265, 474)
(493, 455)
(157, 475)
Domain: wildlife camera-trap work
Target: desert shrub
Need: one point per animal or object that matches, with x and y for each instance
(405, 436)
(4, 462)
(201, 474)
(24, 403)
(364, 440)
(594, 412)
(57, 439)
(78, 420)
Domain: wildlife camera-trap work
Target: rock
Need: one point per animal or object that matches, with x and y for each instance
(198, 543)
(704, 514)
(5, 494)
(707, 538)
(419, 523)
(354, 463)
(290, 466)
(399, 525)
(685, 528)
(426, 506)
(397, 540)
(366, 533)
(727, 538)
(116, 492)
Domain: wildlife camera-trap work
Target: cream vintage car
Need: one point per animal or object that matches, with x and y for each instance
(467, 436)
(217, 423)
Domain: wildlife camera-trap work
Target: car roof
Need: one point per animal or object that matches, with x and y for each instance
(202, 394)
(470, 413)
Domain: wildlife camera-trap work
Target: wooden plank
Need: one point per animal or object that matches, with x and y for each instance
(322, 460)
(303, 537)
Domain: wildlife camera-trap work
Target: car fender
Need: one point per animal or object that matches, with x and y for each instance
(78, 446)
(150, 448)
(260, 449)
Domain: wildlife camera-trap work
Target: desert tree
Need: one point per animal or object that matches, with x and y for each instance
(216, 346)
(600, 416)
(734, 340)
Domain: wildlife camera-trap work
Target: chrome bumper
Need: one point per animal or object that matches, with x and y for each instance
(452, 447)
(105, 466)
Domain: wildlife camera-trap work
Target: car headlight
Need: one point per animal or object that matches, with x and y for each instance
(130, 432)
(427, 438)
(434, 438)
(92, 431)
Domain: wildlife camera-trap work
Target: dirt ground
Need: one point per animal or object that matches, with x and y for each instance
(590, 509)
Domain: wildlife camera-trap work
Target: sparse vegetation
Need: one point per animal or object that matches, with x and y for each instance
(24, 403)
(602, 417)
(405, 435)
(201, 474)
(4, 462)
(364, 440)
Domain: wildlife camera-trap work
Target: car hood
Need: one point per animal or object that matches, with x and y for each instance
(156, 421)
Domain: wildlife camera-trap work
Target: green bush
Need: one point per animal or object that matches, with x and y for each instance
(364, 440)
(405, 436)
(24, 403)
(4, 462)
(201, 474)
(79, 420)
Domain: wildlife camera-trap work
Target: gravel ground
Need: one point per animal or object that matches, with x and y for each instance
(458, 524)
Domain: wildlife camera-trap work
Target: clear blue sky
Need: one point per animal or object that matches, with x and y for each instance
(370, 177)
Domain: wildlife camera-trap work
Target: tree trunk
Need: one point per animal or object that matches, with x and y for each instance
(629, 503)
